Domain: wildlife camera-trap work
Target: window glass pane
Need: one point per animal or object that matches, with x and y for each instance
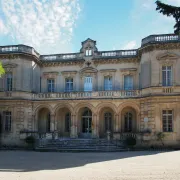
(67, 122)
(7, 123)
(128, 82)
(107, 83)
(9, 81)
(51, 85)
(69, 84)
(167, 119)
(167, 75)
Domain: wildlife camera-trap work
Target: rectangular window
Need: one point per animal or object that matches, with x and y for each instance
(128, 82)
(69, 84)
(88, 52)
(87, 83)
(7, 121)
(50, 85)
(167, 118)
(167, 75)
(107, 83)
(9, 81)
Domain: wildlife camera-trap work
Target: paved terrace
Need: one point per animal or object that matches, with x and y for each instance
(19, 165)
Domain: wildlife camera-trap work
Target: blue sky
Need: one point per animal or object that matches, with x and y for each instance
(59, 26)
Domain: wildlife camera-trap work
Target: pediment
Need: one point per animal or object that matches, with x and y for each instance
(167, 56)
(88, 70)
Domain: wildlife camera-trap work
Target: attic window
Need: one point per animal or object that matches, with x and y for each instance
(88, 52)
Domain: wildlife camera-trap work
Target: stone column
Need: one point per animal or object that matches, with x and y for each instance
(33, 123)
(116, 119)
(95, 132)
(52, 124)
(73, 133)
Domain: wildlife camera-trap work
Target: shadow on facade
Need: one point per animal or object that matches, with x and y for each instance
(19, 161)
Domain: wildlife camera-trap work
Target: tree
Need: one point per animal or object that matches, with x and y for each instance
(2, 71)
(170, 10)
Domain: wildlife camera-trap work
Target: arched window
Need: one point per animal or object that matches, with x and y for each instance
(108, 121)
(128, 122)
(67, 122)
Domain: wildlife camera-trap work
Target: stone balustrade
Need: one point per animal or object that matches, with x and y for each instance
(59, 57)
(151, 91)
(94, 94)
(19, 49)
(160, 39)
(120, 53)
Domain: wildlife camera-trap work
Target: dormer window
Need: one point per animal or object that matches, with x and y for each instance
(88, 52)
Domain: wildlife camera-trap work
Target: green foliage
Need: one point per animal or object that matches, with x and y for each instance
(160, 137)
(2, 71)
(130, 141)
(30, 140)
(170, 10)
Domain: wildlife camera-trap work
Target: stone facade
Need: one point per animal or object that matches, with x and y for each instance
(92, 92)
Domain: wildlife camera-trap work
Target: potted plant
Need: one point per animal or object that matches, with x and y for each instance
(30, 141)
(160, 137)
(130, 141)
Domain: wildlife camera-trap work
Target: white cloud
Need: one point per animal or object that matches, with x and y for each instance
(3, 29)
(130, 45)
(47, 25)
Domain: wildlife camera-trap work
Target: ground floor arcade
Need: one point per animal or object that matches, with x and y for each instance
(86, 121)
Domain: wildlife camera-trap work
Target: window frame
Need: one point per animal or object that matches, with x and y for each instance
(166, 128)
(109, 85)
(67, 126)
(88, 52)
(132, 85)
(52, 85)
(166, 71)
(9, 81)
(69, 85)
(7, 127)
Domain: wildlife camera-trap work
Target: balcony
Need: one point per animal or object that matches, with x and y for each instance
(88, 95)
(121, 94)
(153, 39)
(17, 49)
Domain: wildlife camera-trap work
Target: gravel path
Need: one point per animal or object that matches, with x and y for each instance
(19, 165)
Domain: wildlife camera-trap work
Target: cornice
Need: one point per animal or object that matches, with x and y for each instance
(116, 61)
(69, 63)
(159, 46)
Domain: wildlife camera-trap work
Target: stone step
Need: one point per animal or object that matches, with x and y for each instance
(101, 145)
(80, 149)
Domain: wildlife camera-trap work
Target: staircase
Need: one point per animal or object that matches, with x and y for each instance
(80, 145)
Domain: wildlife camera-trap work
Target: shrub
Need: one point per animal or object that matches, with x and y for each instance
(30, 140)
(130, 141)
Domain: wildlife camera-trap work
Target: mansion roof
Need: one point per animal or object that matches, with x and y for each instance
(148, 42)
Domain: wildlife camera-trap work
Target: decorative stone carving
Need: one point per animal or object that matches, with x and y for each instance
(68, 74)
(50, 74)
(108, 72)
(128, 71)
(88, 71)
(9, 67)
(167, 58)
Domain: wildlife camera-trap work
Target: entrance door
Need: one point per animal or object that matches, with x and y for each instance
(87, 123)
(88, 84)
(128, 122)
